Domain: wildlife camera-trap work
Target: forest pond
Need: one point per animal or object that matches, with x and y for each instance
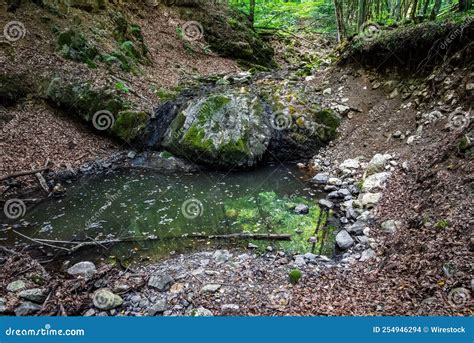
(160, 215)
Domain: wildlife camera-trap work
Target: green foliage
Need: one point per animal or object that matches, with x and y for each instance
(315, 15)
(74, 46)
(295, 275)
(122, 87)
(441, 224)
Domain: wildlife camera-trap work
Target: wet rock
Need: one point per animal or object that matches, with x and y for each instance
(221, 256)
(252, 246)
(36, 295)
(301, 209)
(16, 286)
(160, 281)
(211, 288)
(199, 312)
(367, 255)
(390, 226)
(375, 182)
(27, 308)
(320, 178)
(84, 269)
(159, 307)
(343, 240)
(104, 299)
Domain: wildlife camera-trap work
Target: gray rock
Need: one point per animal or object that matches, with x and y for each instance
(159, 307)
(367, 255)
(299, 261)
(390, 226)
(16, 286)
(84, 269)
(105, 300)
(378, 162)
(89, 313)
(326, 203)
(334, 181)
(357, 228)
(252, 246)
(221, 256)
(230, 308)
(301, 209)
(321, 178)
(211, 288)
(27, 308)
(369, 200)
(349, 164)
(310, 256)
(3, 305)
(330, 188)
(343, 240)
(160, 281)
(397, 134)
(36, 295)
(375, 182)
(199, 312)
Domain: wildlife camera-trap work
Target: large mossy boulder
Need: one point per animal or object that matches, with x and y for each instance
(238, 128)
(224, 129)
(103, 108)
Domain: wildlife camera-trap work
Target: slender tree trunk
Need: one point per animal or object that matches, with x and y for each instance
(341, 30)
(362, 13)
(252, 12)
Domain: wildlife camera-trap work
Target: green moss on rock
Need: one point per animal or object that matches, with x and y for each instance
(74, 46)
(128, 125)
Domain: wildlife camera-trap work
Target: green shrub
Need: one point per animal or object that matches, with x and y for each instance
(295, 275)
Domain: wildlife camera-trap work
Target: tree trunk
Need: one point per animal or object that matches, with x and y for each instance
(341, 30)
(362, 13)
(252, 12)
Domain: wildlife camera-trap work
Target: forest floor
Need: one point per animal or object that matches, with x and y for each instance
(424, 267)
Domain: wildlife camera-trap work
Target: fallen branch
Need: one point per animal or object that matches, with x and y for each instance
(77, 245)
(23, 173)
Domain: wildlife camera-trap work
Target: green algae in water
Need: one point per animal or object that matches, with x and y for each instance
(145, 204)
(267, 212)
